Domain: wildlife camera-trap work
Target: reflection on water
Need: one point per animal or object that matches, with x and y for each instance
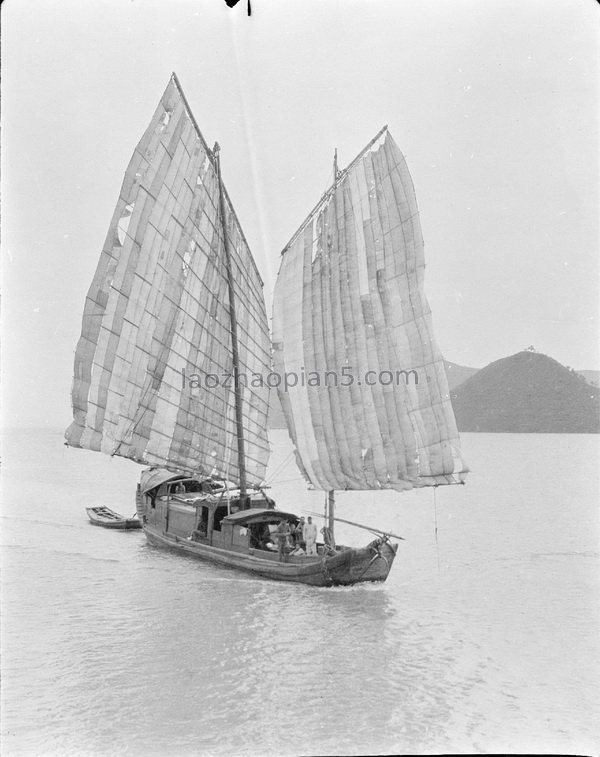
(114, 647)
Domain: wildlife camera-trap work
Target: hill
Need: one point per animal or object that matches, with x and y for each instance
(529, 393)
(592, 377)
(457, 374)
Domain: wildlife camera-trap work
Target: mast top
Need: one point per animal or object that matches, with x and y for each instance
(338, 175)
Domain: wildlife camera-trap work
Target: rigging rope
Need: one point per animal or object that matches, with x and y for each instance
(289, 480)
(280, 468)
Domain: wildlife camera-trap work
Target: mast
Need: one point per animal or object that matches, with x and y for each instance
(331, 493)
(331, 511)
(234, 338)
(327, 194)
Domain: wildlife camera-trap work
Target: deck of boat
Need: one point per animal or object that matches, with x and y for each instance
(346, 567)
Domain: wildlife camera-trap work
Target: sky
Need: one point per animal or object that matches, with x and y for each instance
(494, 104)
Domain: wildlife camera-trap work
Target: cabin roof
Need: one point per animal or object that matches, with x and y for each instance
(258, 514)
(154, 477)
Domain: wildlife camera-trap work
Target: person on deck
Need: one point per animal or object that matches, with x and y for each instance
(264, 538)
(310, 537)
(328, 542)
(300, 532)
(282, 533)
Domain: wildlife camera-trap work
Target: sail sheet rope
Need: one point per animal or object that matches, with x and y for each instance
(280, 468)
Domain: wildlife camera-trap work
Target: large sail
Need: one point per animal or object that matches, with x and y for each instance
(363, 387)
(153, 366)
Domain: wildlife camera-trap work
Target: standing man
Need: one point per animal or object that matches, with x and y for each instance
(282, 533)
(300, 532)
(310, 537)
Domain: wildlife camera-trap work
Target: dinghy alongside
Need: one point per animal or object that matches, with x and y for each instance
(107, 518)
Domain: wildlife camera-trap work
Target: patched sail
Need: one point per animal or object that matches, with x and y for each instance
(153, 367)
(363, 388)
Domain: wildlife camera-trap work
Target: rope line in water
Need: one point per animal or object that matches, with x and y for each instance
(437, 546)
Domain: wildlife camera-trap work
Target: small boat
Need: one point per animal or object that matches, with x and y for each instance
(107, 518)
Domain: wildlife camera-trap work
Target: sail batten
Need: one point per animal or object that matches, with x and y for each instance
(349, 302)
(158, 313)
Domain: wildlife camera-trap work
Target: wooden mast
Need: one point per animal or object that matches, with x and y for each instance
(234, 338)
(331, 493)
(331, 512)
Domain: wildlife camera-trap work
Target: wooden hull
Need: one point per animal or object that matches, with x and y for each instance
(106, 518)
(346, 567)
(221, 528)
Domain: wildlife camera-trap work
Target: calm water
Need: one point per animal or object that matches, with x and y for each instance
(488, 642)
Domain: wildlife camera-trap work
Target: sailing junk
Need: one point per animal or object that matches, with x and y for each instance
(177, 293)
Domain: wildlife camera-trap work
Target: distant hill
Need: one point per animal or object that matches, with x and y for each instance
(457, 374)
(527, 392)
(592, 377)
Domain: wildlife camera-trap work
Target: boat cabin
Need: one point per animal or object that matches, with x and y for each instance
(212, 513)
(253, 529)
